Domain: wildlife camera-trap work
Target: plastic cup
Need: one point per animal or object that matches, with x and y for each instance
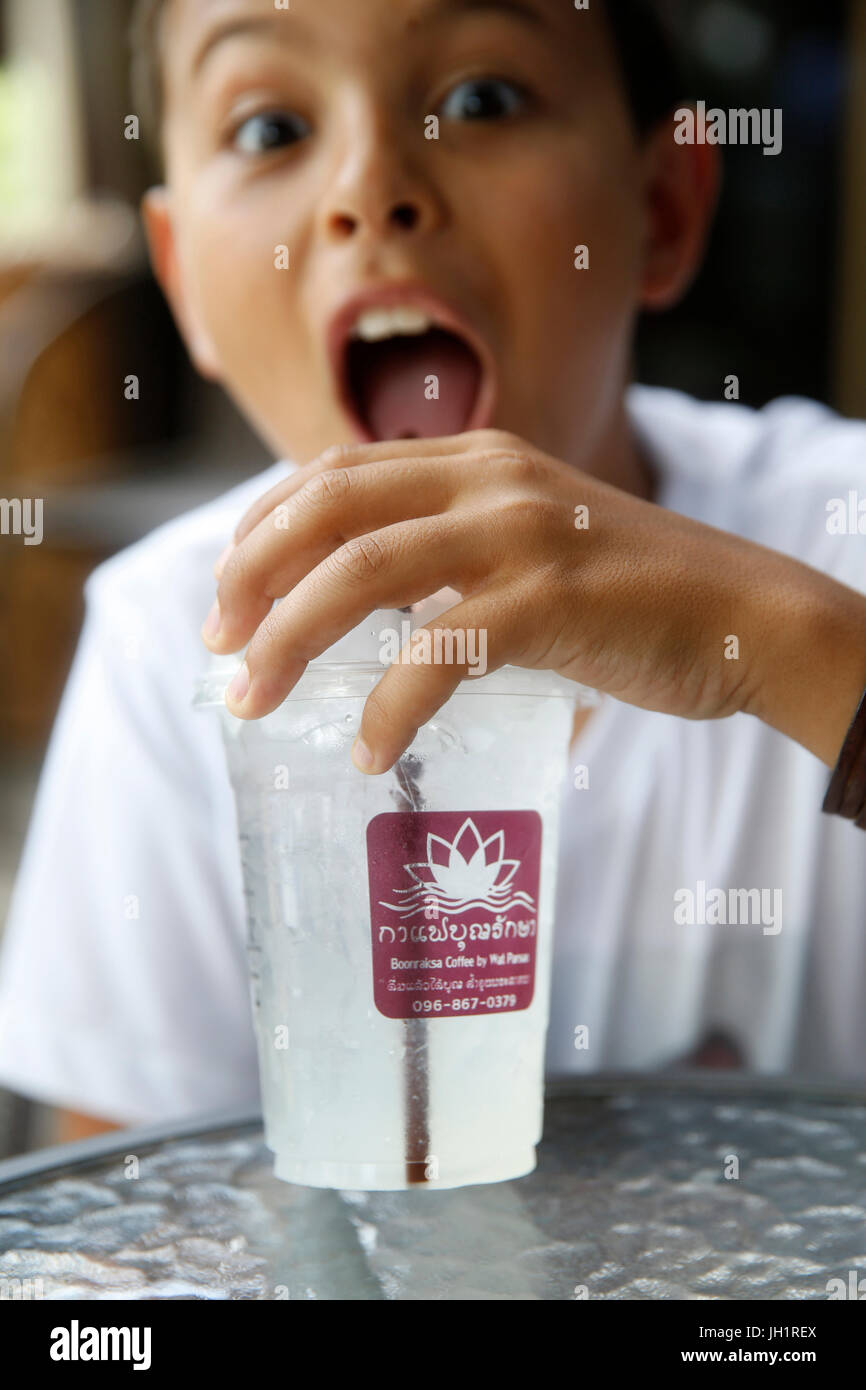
(400, 926)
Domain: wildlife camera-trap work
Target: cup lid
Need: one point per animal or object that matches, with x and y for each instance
(364, 643)
(363, 649)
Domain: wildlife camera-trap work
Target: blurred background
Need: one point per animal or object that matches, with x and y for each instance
(781, 303)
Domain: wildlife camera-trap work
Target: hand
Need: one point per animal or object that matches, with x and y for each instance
(641, 603)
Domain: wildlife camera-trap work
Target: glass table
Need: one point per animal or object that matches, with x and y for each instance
(704, 1188)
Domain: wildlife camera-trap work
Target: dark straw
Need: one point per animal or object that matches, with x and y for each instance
(415, 1080)
(846, 794)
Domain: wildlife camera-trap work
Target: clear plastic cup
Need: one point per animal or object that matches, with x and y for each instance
(400, 926)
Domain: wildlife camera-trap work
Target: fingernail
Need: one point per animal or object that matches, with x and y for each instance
(361, 756)
(238, 688)
(212, 622)
(221, 562)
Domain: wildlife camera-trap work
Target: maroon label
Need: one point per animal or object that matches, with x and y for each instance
(454, 911)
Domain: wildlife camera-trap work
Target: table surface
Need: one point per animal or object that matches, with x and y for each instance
(630, 1200)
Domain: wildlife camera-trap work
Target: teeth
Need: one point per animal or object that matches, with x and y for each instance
(374, 325)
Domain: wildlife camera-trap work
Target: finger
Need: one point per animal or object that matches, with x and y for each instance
(391, 568)
(353, 455)
(460, 646)
(327, 512)
(339, 456)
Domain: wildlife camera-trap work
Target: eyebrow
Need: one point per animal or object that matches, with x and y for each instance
(428, 13)
(235, 28)
(516, 9)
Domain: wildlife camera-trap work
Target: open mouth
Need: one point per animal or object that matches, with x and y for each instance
(405, 374)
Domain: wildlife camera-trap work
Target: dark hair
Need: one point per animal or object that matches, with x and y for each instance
(648, 57)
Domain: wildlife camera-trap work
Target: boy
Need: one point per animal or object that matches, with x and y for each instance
(312, 213)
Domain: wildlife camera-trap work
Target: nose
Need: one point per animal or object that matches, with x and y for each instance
(378, 192)
(404, 215)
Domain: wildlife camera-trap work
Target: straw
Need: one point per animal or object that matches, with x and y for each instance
(416, 1091)
(415, 1079)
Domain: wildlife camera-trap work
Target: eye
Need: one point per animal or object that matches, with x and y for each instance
(483, 99)
(270, 130)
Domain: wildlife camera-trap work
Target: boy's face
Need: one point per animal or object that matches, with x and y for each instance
(307, 129)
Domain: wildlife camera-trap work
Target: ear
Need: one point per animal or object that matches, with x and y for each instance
(681, 190)
(156, 211)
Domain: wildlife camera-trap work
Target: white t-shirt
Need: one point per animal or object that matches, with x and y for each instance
(123, 985)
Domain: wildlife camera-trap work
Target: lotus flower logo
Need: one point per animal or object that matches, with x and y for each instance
(467, 871)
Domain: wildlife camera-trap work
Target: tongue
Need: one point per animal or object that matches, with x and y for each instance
(416, 387)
